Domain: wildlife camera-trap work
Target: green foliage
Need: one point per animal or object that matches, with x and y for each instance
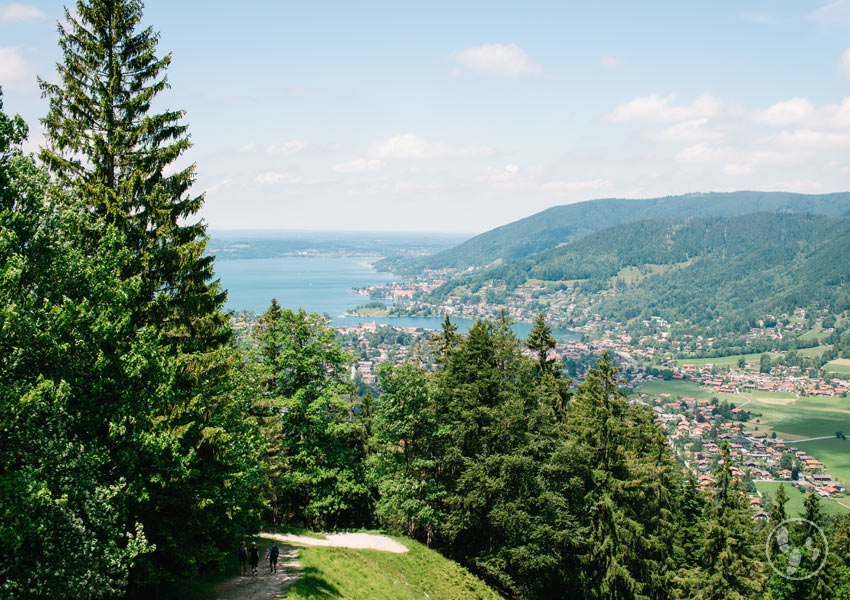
(562, 224)
(722, 271)
(111, 314)
(419, 573)
(307, 410)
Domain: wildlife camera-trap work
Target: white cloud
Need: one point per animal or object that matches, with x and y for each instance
(16, 72)
(287, 148)
(409, 145)
(247, 147)
(812, 137)
(832, 13)
(358, 165)
(801, 186)
(574, 186)
(688, 131)
(787, 112)
(706, 153)
(15, 12)
(658, 108)
(841, 114)
(221, 184)
(499, 174)
(737, 169)
(609, 62)
(505, 60)
(845, 64)
(274, 177)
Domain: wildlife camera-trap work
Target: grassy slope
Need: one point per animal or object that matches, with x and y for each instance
(358, 574)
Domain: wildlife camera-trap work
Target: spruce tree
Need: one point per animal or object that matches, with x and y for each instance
(112, 155)
(103, 139)
(731, 557)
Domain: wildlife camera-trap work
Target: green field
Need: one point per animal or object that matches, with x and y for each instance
(815, 333)
(789, 418)
(328, 573)
(840, 366)
(794, 507)
(724, 361)
(805, 417)
(834, 454)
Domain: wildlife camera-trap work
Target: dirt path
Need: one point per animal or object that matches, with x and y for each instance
(360, 541)
(263, 586)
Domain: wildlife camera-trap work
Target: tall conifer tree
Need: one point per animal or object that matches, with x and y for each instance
(109, 150)
(103, 138)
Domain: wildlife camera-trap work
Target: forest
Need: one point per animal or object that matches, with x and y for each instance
(139, 437)
(701, 270)
(567, 223)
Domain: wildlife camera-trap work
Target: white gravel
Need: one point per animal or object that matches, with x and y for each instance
(358, 541)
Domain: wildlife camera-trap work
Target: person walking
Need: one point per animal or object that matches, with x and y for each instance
(243, 560)
(274, 551)
(253, 557)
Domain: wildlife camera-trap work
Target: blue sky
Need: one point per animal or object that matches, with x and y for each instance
(446, 116)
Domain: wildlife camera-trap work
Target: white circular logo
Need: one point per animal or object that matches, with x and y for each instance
(796, 549)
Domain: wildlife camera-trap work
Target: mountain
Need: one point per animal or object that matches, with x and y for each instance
(701, 269)
(560, 224)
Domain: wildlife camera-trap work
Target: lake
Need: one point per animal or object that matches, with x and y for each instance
(322, 285)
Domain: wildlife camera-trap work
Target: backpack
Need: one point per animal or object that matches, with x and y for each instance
(243, 553)
(274, 550)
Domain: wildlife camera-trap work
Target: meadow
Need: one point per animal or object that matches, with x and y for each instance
(840, 366)
(795, 499)
(328, 572)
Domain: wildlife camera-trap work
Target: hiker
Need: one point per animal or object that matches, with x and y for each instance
(243, 559)
(253, 557)
(274, 551)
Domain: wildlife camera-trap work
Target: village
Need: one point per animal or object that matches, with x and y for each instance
(697, 428)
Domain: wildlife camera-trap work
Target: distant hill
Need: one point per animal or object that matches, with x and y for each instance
(241, 244)
(698, 269)
(561, 224)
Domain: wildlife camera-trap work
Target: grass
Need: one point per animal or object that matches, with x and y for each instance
(813, 351)
(805, 417)
(329, 573)
(794, 507)
(815, 333)
(839, 365)
(834, 454)
(724, 361)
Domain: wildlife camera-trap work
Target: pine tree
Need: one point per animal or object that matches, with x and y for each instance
(731, 561)
(110, 156)
(549, 375)
(541, 341)
(103, 140)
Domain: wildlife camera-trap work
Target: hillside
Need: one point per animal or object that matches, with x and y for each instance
(350, 573)
(561, 224)
(699, 269)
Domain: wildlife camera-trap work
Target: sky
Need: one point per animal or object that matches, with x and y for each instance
(463, 116)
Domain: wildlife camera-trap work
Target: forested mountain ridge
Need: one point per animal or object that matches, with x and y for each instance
(561, 224)
(698, 269)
